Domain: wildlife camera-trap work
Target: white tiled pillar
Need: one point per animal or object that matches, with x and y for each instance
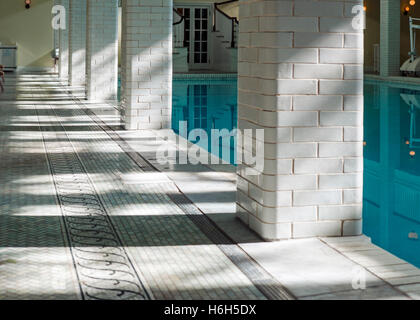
(300, 79)
(390, 38)
(147, 64)
(77, 42)
(63, 63)
(102, 50)
(56, 35)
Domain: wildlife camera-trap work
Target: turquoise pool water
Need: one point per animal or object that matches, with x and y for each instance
(392, 168)
(392, 152)
(206, 104)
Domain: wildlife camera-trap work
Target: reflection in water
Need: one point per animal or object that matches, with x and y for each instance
(207, 105)
(392, 169)
(391, 214)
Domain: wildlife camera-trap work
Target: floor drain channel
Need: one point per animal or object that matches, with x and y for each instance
(102, 265)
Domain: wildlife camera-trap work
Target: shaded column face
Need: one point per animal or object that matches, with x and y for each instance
(63, 64)
(102, 50)
(77, 42)
(147, 64)
(390, 38)
(300, 80)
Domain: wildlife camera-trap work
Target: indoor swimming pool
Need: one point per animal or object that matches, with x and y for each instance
(207, 104)
(392, 152)
(391, 197)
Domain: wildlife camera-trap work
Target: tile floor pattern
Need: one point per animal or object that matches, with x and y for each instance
(79, 219)
(143, 237)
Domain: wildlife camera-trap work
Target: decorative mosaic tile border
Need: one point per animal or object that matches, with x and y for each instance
(103, 267)
(204, 76)
(393, 82)
(262, 280)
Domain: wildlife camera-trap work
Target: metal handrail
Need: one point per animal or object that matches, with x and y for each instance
(233, 20)
(182, 18)
(179, 22)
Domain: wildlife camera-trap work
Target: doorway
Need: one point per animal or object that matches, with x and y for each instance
(197, 35)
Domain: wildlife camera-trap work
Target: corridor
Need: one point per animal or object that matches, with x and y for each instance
(83, 216)
(86, 212)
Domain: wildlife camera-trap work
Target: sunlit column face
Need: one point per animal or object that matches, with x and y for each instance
(390, 37)
(147, 64)
(300, 79)
(64, 43)
(77, 42)
(102, 50)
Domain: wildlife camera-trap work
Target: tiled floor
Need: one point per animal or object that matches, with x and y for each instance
(81, 219)
(87, 212)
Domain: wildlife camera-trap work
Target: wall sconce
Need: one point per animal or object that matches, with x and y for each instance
(407, 8)
(28, 4)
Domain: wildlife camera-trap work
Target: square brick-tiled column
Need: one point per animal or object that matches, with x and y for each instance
(77, 42)
(147, 64)
(56, 37)
(63, 34)
(390, 38)
(300, 79)
(102, 50)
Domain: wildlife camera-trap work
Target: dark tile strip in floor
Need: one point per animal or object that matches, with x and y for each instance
(103, 267)
(264, 281)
